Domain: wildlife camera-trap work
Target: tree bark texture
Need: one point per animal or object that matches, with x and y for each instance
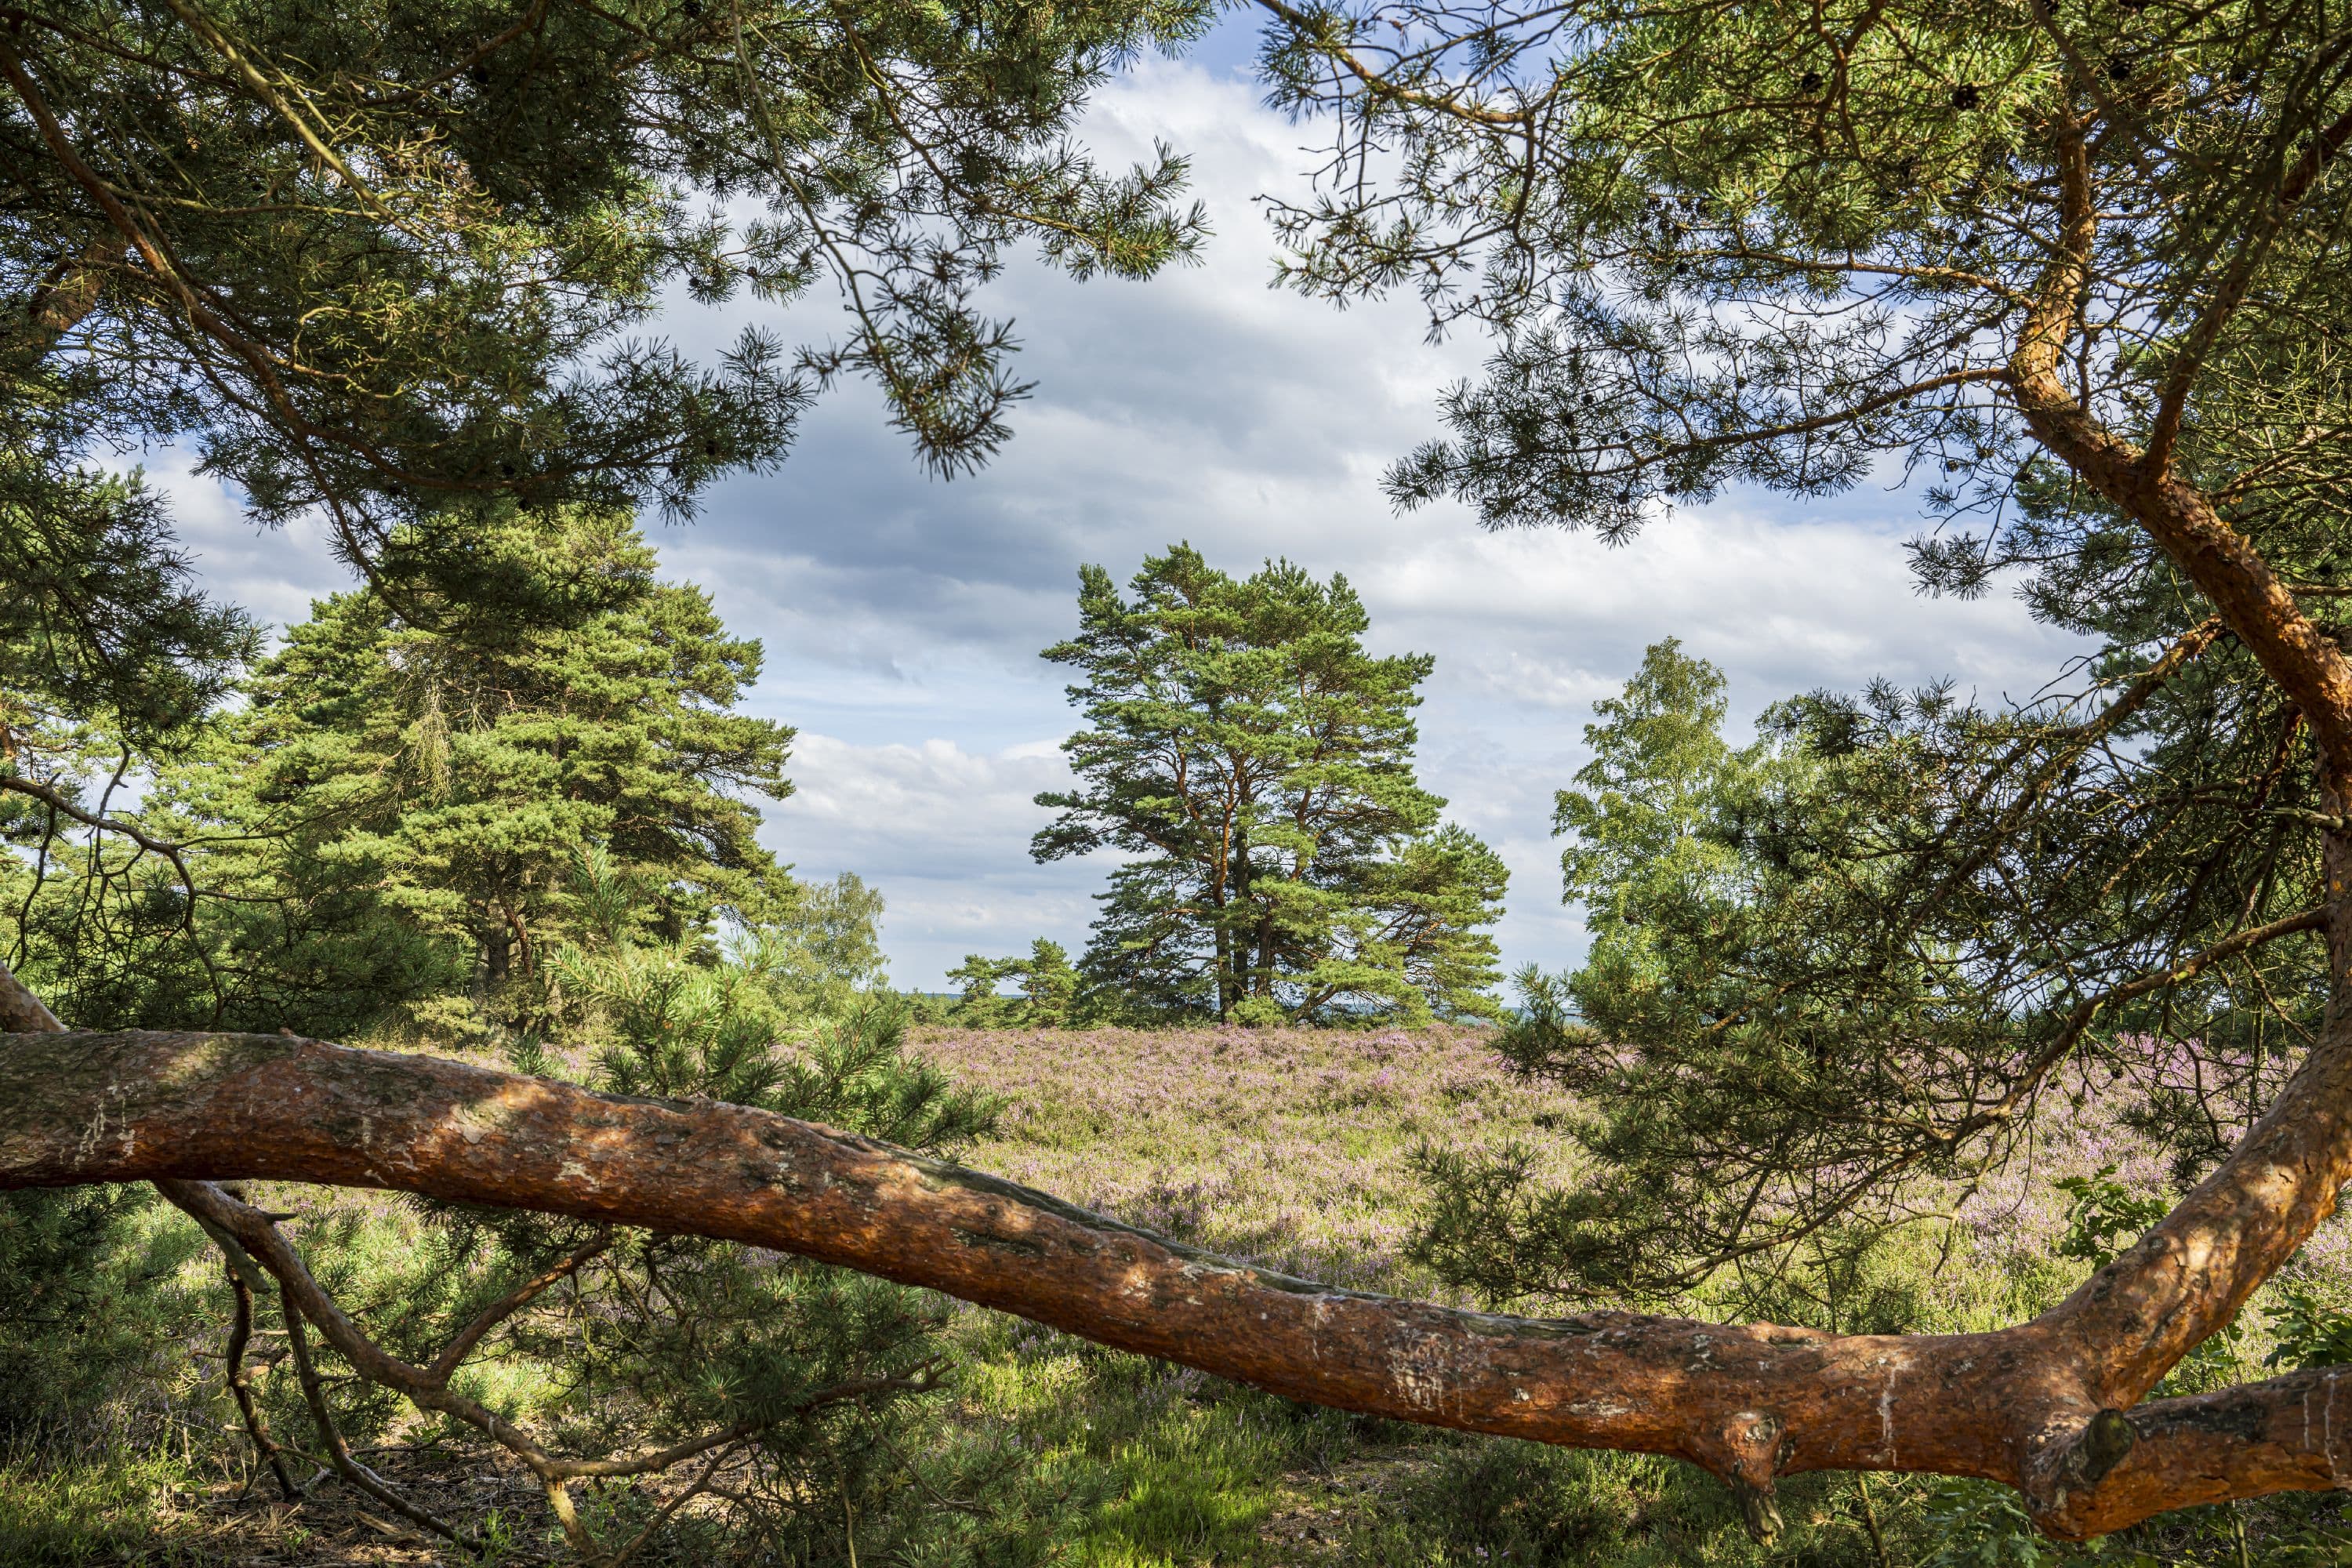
(2039, 1406)
(2051, 1406)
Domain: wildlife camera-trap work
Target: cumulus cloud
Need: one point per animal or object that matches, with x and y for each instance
(273, 573)
(903, 615)
(1552, 620)
(944, 832)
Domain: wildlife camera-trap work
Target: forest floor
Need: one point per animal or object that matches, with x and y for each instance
(1294, 1148)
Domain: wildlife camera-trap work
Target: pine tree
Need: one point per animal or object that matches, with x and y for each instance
(102, 623)
(375, 262)
(393, 811)
(389, 270)
(2074, 267)
(2084, 262)
(393, 814)
(1255, 764)
(1050, 989)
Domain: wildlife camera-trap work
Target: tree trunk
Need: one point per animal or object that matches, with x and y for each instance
(1265, 953)
(1244, 971)
(2037, 1405)
(2050, 1406)
(1224, 944)
(68, 292)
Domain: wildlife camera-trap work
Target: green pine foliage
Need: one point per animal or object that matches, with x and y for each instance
(88, 1296)
(1832, 963)
(441, 228)
(1254, 765)
(1796, 246)
(102, 622)
(390, 270)
(1763, 242)
(1049, 985)
(389, 820)
(1051, 996)
(460, 776)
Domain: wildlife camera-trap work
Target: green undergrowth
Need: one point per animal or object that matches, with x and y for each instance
(113, 1505)
(118, 1446)
(1123, 1462)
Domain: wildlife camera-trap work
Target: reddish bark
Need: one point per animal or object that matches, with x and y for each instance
(1748, 1403)
(2047, 1405)
(2253, 602)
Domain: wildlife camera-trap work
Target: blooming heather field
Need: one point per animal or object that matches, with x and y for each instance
(1290, 1146)
(1286, 1145)
(1293, 1147)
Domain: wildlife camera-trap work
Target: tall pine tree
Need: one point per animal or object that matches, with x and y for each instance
(391, 820)
(390, 269)
(1256, 764)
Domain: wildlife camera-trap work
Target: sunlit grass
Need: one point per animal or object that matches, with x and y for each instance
(1289, 1146)
(113, 1507)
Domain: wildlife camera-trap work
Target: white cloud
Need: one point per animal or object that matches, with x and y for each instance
(1551, 619)
(903, 615)
(274, 574)
(944, 831)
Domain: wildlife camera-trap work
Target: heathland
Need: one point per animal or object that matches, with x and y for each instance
(1296, 1148)
(1908, 1014)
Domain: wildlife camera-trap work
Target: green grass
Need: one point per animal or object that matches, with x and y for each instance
(1124, 1462)
(113, 1507)
(1046, 1449)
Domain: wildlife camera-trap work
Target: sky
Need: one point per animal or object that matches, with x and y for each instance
(902, 616)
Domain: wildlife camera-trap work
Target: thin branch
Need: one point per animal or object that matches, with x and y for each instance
(263, 89)
(224, 1215)
(1377, 83)
(63, 805)
(669, 1509)
(338, 1451)
(240, 1386)
(921, 1381)
(506, 1306)
(2081, 1017)
(2180, 376)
